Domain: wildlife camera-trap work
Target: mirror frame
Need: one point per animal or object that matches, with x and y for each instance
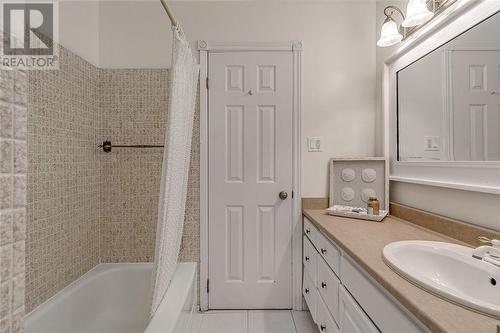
(478, 176)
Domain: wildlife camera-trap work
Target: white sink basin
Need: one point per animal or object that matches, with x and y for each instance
(449, 271)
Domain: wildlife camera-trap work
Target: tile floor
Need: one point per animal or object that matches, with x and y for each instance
(255, 321)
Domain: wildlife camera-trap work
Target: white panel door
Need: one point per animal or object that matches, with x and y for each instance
(476, 105)
(250, 163)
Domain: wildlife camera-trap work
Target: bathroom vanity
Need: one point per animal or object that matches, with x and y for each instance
(348, 288)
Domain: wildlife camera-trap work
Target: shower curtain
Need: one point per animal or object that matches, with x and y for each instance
(175, 169)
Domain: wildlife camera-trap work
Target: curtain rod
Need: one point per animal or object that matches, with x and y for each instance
(106, 146)
(169, 13)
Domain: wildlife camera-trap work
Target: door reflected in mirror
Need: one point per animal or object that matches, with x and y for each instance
(449, 100)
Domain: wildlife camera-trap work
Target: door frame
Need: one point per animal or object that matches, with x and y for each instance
(295, 48)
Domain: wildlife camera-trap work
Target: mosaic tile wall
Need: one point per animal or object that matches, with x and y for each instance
(85, 206)
(63, 177)
(133, 108)
(12, 199)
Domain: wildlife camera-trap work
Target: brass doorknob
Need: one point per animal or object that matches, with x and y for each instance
(283, 195)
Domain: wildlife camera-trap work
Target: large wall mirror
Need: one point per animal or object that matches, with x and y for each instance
(448, 101)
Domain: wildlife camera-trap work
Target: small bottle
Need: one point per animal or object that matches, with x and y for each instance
(373, 206)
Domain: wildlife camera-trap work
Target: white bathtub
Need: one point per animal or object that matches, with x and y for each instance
(114, 298)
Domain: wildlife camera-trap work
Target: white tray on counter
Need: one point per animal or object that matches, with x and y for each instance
(361, 216)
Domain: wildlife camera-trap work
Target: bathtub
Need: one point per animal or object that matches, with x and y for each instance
(114, 298)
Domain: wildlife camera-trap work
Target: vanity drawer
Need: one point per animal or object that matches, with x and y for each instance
(328, 286)
(352, 317)
(310, 257)
(311, 232)
(310, 295)
(387, 315)
(329, 252)
(325, 322)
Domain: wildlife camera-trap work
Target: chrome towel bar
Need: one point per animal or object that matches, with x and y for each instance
(106, 146)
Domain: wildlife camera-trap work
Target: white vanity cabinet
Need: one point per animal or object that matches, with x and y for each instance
(328, 287)
(309, 258)
(325, 321)
(342, 297)
(310, 294)
(352, 317)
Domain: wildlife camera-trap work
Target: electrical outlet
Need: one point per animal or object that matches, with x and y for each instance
(431, 143)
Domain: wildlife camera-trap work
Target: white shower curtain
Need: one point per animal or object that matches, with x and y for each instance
(176, 158)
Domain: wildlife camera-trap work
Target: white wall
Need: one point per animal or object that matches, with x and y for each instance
(339, 59)
(473, 207)
(79, 28)
(476, 208)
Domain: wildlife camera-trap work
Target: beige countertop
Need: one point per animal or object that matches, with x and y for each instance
(364, 241)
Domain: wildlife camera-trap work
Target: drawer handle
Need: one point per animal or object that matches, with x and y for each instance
(307, 291)
(323, 285)
(323, 251)
(307, 258)
(308, 231)
(322, 327)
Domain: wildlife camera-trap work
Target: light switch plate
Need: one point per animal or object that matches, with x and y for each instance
(314, 143)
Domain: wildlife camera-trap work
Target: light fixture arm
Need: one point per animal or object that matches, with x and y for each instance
(436, 4)
(389, 11)
(392, 9)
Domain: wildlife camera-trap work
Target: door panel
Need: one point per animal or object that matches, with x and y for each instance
(234, 243)
(266, 243)
(250, 162)
(266, 156)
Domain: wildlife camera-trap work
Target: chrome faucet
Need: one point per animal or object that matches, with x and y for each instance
(486, 250)
(488, 253)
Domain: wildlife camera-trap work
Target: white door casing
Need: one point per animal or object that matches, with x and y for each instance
(475, 80)
(250, 163)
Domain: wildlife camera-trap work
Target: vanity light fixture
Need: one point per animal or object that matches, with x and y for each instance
(391, 34)
(418, 13)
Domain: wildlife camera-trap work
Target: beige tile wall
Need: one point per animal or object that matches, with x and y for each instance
(12, 199)
(63, 177)
(133, 109)
(86, 206)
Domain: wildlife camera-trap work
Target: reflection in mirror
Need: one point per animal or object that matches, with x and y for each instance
(449, 100)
